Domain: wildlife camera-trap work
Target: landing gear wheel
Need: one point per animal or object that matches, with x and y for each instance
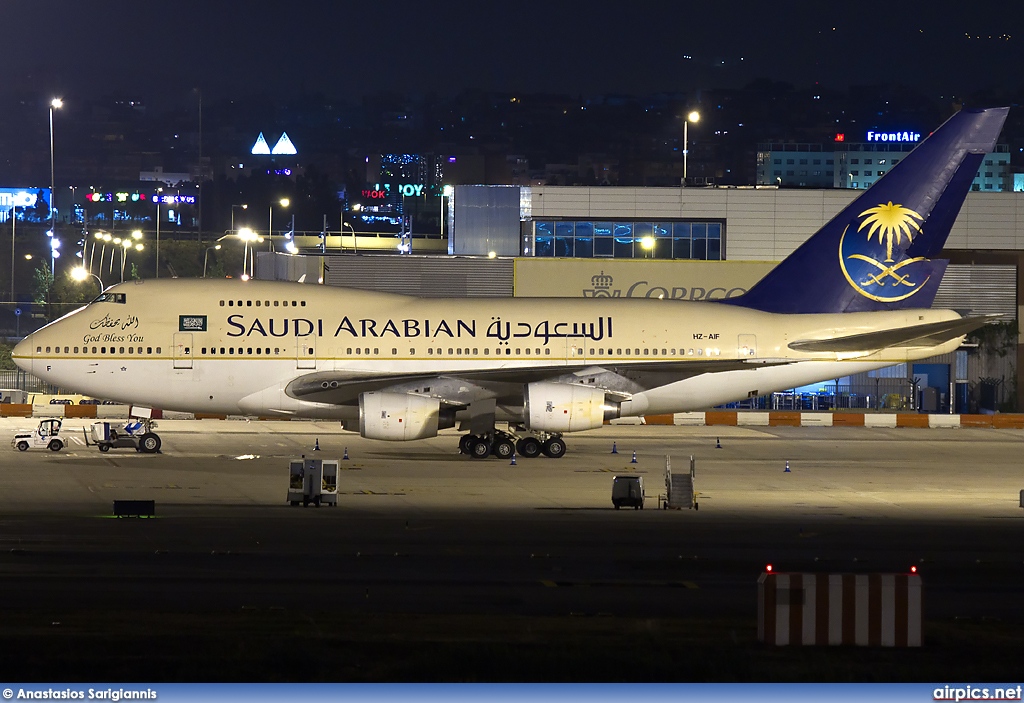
(554, 448)
(104, 447)
(503, 448)
(55, 445)
(480, 448)
(150, 443)
(528, 447)
(465, 442)
(22, 446)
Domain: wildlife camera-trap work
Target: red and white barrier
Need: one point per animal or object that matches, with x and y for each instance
(878, 610)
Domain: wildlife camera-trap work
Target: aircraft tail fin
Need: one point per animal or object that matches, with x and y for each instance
(877, 253)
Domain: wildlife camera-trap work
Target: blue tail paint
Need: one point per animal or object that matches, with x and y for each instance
(877, 253)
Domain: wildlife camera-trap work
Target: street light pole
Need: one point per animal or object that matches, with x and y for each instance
(284, 202)
(244, 207)
(56, 103)
(14, 219)
(159, 195)
(694, 117)
(206, 257)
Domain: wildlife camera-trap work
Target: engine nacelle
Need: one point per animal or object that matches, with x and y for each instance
(399, 417)
(563, 407)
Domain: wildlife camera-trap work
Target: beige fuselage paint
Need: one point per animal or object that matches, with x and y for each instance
(233, 347)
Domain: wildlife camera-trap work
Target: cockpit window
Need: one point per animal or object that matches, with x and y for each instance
(111, 298)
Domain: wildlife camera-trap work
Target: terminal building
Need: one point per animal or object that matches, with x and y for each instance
(704, 244)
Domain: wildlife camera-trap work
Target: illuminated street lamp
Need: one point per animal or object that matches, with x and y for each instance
(695, 118)
(206, 257)
(55, 104)
(79, 273)
(647, 244)
(248, 237)
(284, 202)
(244, 207)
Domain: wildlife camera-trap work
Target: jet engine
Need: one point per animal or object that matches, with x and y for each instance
(564, 407)
(399, 417)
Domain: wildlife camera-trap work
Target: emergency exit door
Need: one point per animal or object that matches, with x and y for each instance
(181, 350)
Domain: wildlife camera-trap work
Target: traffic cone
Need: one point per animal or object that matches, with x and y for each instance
(633, 460)
(513, 462)
(787, 471)
(345, 457)
(718, 442)
(615, 448)
(316, 447)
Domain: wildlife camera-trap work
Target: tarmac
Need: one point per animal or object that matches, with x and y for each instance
(421, 531)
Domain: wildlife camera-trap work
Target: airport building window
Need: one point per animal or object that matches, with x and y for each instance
(642, 239)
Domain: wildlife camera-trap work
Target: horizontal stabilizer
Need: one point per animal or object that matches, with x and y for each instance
(929, 335)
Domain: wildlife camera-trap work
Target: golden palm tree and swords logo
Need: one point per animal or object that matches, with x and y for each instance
(885, 279)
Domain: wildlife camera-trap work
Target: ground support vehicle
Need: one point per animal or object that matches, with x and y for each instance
(45, 436)
(137, 435)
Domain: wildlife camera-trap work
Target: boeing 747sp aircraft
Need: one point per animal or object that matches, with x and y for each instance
(854, 297)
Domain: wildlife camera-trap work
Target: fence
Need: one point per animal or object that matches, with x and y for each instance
(881, 394)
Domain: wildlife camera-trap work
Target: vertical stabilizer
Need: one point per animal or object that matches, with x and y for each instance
(876, 253)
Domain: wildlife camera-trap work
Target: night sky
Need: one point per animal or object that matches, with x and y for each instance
(160, 50)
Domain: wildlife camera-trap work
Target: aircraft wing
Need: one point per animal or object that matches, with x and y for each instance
(928, 335)
(456, 386)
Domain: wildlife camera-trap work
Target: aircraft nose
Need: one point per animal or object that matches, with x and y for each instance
(22, 354)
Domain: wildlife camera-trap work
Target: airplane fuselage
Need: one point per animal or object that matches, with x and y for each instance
(232, 347)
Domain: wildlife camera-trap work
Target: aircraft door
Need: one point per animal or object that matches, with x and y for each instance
(746, 346)
(575, 352)
(182, 350)
(305, 353)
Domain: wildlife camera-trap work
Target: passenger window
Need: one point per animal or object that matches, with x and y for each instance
(222, 303)
(348, 352)
(303, 303)
(276, 303)
(258, 350)
(94, 350)
(103, 350)
(76, 350)
(158, 350)
(412, 351)
(257, 303)
(249, 351)
(47, 350)
(375, 351)
(394, 352)
(248, 303)
(231, 303)
(149, 350)
(131, 350)
(430, 351)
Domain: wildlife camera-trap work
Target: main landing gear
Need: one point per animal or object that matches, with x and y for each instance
(502, 445)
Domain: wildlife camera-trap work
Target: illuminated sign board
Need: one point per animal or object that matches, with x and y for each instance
(409, 190)
(894, 136)
(166, 199)
(21, 197)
